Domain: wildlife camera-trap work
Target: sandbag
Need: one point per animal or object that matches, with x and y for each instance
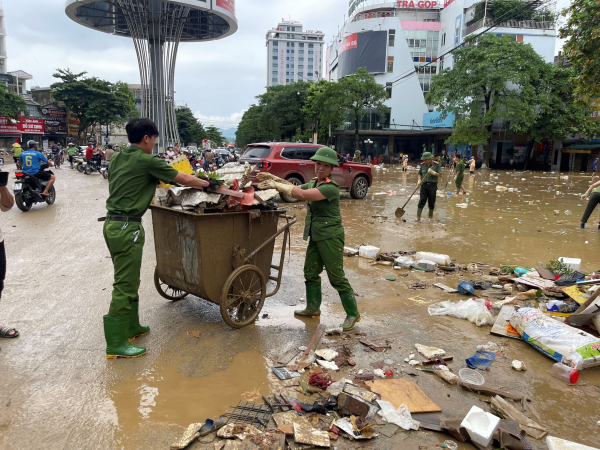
(557, 340)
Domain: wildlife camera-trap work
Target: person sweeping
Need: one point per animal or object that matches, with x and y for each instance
(324, 228)
(592, 202)
(429, 174)
(460, 175)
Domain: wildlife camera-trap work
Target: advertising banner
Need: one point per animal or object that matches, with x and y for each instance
(435, 119)
(368, 49)
(227, 5)
(425, 4)
(8, 127)
(54, 112)
(55, 127)
(31, 126)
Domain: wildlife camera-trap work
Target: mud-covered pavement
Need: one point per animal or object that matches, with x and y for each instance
(59, 392)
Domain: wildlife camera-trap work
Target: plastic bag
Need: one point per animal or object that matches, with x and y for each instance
(557, 340)
(473, 309)
(400, 416)
(403, 261)
(569, 280)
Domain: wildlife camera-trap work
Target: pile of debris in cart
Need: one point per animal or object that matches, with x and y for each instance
(236, 193)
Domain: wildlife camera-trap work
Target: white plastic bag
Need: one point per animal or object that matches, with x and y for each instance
(400, 416)
(473, 309)
(403, 261)
(557, 340)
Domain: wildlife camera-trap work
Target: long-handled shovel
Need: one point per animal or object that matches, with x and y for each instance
(400, 211)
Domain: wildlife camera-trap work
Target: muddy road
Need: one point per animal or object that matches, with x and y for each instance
(59, 392)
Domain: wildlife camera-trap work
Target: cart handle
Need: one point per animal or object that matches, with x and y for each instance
(291, 221)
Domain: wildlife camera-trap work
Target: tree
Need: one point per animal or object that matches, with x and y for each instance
(190, 129)
(493, 79)
(322, 108)
(250, 128)
(11, 105)
(95, 101)
(357, 93)
(582, 46)
(215, 136)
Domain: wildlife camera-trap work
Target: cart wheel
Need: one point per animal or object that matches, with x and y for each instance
(243, 296)
(168, 292)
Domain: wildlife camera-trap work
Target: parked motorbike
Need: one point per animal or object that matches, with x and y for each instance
(104, 169)
(28, 190)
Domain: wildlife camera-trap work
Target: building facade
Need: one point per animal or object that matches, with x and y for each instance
(293, 54)
(404, 44)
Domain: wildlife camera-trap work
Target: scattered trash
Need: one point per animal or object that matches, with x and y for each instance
(329, 365)
(465, 288)
(390, 279)
(554, 443)
(429, 352)
(480, 425)
(528, 425)
(481, 360)
(565, 373)
(368, 251)
(401, 391)
(348, 251)
(489, 347)
(418, 285)
(443, 260)
(334, 331)
(305, 433)
(190, 434)
(283, 373)
(400, 416)
(194, 333)
(474, 310)
(327, 354)
(239, 431)
(519, 366)
(470, 376)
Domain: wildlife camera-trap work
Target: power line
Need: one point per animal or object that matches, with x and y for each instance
(515, 11)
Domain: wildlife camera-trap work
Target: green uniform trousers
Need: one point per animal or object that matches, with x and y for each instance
(428, 193)
(328, 253)
(125, 241)
(459, 181)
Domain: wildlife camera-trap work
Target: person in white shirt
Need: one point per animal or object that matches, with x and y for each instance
(170, 153)
(7, 201)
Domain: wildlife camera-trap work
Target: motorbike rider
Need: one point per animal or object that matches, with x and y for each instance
(17, 152)
(31, 160)
(208, 158)
(109, 152)
(72, 152)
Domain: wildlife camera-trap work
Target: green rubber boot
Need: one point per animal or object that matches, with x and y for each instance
(117, 345)
(431, 213)
(313, 303)
(352, 315)
(419, 212)
(135, 329)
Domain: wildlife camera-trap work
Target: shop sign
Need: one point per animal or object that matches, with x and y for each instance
(7, 126)
(435, 119)
(56, 127)
(349, 42)
(28, 125)
(447, 3)
(418, 4)
(54, 112)
(227, 5)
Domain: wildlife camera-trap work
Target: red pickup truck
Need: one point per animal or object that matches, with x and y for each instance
(291, 161)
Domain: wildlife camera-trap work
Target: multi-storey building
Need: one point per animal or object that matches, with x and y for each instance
(404, 44)
(293, 54)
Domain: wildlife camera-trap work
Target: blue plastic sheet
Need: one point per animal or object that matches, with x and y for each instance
(481, 360)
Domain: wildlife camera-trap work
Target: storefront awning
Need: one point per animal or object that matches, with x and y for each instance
(580, 148)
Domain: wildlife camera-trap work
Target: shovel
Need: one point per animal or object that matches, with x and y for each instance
(400, 211)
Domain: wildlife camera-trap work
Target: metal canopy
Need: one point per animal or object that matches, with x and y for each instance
(157, 27)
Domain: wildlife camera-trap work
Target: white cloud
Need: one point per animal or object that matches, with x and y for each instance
(231, 121)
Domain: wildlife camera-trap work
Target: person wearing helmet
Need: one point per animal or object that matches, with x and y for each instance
(72, 151)
(356, 156)
(32, 161)
(429, 173)
(324, 228)
(16, 152)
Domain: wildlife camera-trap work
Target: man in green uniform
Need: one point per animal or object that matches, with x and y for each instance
(429, 173)
(132, 178)
(72, 151)
(356, 156)
(324, 227)
(460, 175)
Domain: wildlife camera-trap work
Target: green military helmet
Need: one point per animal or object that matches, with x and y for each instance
(326, 155)
(426, 155)
(357, 152)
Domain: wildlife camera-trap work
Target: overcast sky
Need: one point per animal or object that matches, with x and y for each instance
(218, 80)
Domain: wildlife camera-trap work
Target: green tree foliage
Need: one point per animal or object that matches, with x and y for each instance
(95, 101)
(215, 136)
(582, 46)
(357, 93)
(322, 109)
(250, 128)
(190, 129)
(496, 79)
(11, 105)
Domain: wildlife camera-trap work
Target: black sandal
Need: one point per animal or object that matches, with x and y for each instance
(4, 333)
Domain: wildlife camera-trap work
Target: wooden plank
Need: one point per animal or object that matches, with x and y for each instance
(287, 356)
(486, 390)
(499, 328)
(588, 302)
(402, 391)
(545, 274)
(314, 342)
(588, 282)
(576, 294)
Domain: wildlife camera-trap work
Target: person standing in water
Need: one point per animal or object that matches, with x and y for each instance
(460, 175)
(592, 203)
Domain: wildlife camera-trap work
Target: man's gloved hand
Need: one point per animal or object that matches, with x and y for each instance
(214, 183)
(431, 172)
(281, 187)
(584, 196)
(265, 176)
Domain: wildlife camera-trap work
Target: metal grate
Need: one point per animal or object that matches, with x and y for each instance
(250, 413)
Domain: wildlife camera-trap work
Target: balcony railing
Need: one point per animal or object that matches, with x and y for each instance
(527, 24)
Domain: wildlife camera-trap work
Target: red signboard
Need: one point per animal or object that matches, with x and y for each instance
(418, 4)
(228, 5)
(447, 3)
(31, 126)
(7, 126)
(349, 42)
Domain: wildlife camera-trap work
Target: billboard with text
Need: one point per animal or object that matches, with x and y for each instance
(368, 49)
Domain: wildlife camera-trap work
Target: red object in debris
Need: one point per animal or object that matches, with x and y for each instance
(388, 371)
(488, 305)
(556, 277)
(320, 380)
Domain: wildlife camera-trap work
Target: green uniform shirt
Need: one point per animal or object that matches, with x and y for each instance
(323, 218)
(72, 150)
(597, 189)
(132, 179)
(17, 151)
(356, 159)
(460, 168)
(423, 169)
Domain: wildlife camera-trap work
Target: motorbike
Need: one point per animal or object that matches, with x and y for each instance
(93, 165)
(28, 190)
(57, 159)
(104, 169)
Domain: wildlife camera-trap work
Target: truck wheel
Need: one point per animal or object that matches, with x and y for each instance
(296, 182)
(360, 187)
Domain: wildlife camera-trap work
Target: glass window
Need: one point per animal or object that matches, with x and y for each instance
(301, 44)
(287, 66)
(288, 152)
(310, 60)
(274, 81)
(300, 66)
(311, 45)
(388, 88)
(417, 43)
(390, 67)
(288, 50)
(423, 43)
(287, 58)
(292, 51)
(306, 153)
(287, 73)
(274, 58)
(300, 74)
(275, 65)
(411, 42)
(258, 151)
(310, 67)
(391, 39)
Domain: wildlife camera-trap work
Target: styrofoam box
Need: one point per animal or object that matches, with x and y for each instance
(368, 251)
(573, 263)
(480, 425)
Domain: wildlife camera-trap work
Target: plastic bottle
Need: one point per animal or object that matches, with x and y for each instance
(519, 271)
(565, 373)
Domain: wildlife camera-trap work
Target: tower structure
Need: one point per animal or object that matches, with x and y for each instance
(157, 27)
